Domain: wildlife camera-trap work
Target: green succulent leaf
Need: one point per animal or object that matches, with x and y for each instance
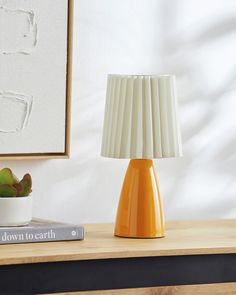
(26, 184)
(10, 186)
(19, 188)
(7, 177)
(7, 190)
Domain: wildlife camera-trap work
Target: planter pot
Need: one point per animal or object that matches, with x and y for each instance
(15, 211)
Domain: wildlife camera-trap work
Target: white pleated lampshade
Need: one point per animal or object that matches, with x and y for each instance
(141, 118)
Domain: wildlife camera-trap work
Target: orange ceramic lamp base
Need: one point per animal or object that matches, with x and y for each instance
(140, 213)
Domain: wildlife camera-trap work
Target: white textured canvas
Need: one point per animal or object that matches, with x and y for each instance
(141, 117)
(33, 62)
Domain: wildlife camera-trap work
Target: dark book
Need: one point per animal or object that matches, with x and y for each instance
(41, 231)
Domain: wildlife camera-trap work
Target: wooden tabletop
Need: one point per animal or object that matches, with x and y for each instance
(182, 238)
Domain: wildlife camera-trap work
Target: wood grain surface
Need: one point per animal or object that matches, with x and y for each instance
(182, 238)
(208, 289)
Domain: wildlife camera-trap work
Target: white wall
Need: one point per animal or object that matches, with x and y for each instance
(196, 40)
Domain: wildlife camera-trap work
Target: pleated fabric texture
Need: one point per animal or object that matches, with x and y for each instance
(141, 118)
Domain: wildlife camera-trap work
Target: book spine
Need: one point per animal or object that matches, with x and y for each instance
(16, 236)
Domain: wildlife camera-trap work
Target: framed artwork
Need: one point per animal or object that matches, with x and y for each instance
(35, 78)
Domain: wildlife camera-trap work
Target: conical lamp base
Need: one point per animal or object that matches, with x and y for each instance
(140, 213)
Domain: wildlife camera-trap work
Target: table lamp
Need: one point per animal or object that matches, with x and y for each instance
(141, 124)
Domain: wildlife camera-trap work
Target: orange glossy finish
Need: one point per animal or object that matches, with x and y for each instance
(140, 213)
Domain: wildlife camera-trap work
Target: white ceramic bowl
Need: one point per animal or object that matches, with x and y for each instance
(15, 211)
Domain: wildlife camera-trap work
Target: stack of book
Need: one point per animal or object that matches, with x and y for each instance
(41, 231)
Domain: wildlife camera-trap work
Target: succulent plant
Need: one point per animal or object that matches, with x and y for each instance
(11, 186)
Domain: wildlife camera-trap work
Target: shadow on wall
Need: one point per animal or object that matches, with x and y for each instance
(201, 52)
